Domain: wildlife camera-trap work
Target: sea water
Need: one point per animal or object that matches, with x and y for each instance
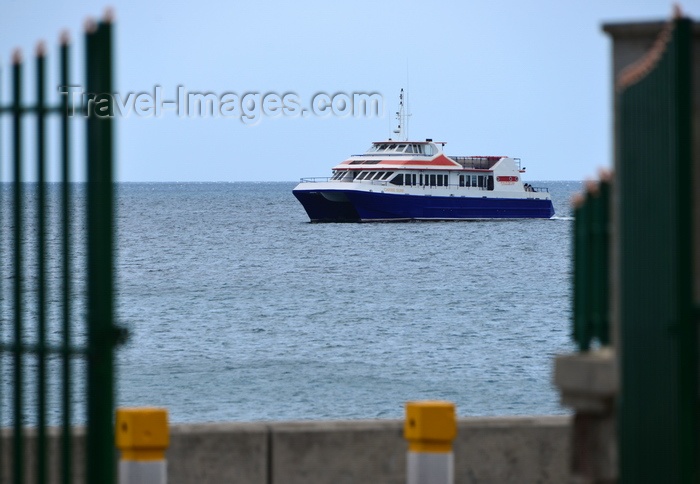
(239, 309)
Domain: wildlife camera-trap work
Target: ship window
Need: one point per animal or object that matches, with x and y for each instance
(391, 147)
(362, 175)
(432, 180)
(371, 175)
(428, 149)
(409, 149)
(489, 182)
(414, 179)
(439, 180)
(481, 181)
(461, 180)
(397, 180)
(473, 180)
(400, 148)
(387, 175)
(372, 149)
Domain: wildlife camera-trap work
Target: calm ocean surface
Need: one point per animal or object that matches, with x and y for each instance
(239, 309)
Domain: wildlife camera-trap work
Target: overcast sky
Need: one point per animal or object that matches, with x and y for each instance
(497, 77)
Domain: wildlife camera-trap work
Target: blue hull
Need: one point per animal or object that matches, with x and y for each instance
(356, 206)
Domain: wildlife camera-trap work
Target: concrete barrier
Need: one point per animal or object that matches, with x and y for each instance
(497, 450)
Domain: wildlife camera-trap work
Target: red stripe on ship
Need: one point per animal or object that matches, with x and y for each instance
(507, 179)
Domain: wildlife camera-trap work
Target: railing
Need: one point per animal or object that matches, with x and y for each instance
(44, 312)
(320, 179)
(476, 162)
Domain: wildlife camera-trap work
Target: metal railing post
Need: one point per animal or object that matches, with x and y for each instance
(66, 464)
(102, 334)
(41, 473)
(18, 382)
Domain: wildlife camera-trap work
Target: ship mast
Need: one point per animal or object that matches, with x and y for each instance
(402, 116)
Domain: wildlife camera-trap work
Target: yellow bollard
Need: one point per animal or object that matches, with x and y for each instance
(142, 437)
(430, 427)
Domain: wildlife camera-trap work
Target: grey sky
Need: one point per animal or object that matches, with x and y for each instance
(525, 79)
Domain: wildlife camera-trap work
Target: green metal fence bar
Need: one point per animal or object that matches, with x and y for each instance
(18, 437)
(66, 464)
(41, 265)
(101, 331)
(581, 331)
(658, 411)
(601, 246)
(686, 358)
(591, 247)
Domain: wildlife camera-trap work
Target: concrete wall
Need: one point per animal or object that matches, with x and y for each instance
(487, 450)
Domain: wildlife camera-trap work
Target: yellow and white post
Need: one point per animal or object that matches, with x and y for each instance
(430, 427)
(142, 437)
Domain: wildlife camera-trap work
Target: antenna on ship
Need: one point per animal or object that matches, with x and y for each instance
(402, 116)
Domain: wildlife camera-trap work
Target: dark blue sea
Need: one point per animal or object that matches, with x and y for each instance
(239, 309)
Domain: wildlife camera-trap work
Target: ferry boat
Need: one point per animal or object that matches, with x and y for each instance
(415, 180)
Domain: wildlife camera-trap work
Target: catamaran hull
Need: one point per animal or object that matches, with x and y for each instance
(363, 206)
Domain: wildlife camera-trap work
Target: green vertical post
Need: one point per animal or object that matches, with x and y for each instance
(18, 381)
(591, 266)
(658, 411)
(581, 283)
(66, 464)
(41, 266)
(601, 283)
(598, 289)
(687, 339)
(101, 331)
